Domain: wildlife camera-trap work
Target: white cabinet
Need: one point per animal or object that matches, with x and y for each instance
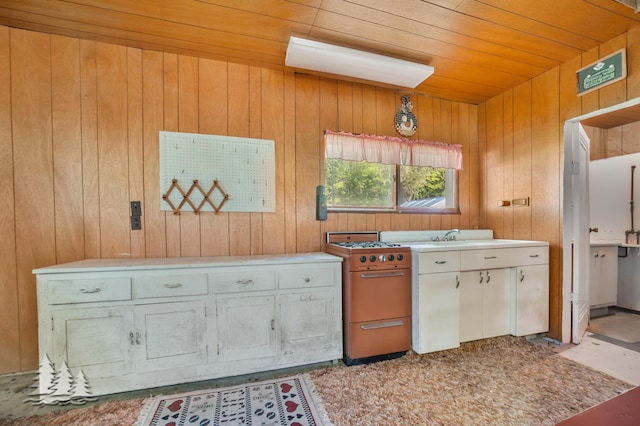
(484, 304)
(603, 276)
(468, 292)
(137, 323)
(125, 339)
(436, 301)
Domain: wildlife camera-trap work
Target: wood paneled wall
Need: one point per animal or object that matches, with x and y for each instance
(79, 124)
(522, 150)
(615, 141)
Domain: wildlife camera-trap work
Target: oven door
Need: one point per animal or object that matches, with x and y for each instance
(377, 295)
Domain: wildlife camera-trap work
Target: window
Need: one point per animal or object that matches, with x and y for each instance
(375, 173)
(375, 186)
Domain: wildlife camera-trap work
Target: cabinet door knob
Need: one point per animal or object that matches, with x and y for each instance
(307, 280)
(481, 277)
(521, 275)
(132, 339)
(273, 324)
(457, 281)
(488, 277)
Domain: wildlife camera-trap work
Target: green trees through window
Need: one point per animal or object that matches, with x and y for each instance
(351, 184)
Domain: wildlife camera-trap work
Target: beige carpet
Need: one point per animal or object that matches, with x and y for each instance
(621, 326)
(501, 381)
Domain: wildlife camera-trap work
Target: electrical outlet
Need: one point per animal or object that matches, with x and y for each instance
(136, 210)
(136, 223)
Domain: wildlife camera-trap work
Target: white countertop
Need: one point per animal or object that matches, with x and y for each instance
(156, 263)
(423, 246)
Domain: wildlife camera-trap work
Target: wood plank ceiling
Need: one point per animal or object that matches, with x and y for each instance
(479, 48)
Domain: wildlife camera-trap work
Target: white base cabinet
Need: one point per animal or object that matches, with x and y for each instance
(138, 323)
(460, 295)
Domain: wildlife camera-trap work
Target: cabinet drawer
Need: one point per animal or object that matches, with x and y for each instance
(88, 290)
(306, 277)
(238, 281)
(170, 285)
(531, 255)
(438, 261)
(471, 260)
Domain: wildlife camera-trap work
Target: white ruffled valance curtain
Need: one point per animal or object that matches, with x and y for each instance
(392, 150)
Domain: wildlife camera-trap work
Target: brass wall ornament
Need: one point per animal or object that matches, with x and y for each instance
(406, 122)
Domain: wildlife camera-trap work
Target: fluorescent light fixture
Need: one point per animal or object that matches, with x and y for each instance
(322, 57)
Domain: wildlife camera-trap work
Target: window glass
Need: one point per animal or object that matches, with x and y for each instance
(352, 185)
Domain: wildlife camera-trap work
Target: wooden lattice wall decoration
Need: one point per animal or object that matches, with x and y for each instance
(194, 168)
(206, 197)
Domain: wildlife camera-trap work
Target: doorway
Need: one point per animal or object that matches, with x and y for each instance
(576, 226)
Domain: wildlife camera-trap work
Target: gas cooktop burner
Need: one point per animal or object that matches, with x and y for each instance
(368, 244)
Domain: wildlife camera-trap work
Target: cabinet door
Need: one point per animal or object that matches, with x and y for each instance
(495, 320)
(530, 308)
(170, 335)
(246, 326)
(308, 323)
(603, 276)
(95, 340)
(471, 305)
(609, 276)
(594, 277)
(436, 316)
(484, 304)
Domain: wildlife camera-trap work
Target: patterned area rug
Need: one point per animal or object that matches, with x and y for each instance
(290, 401)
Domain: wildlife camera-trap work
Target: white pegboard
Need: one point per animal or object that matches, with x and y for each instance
(243, 167)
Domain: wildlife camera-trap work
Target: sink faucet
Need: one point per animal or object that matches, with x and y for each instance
(447, 234)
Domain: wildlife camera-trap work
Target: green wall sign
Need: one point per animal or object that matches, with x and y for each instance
(605, 71)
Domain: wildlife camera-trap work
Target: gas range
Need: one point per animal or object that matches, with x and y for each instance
(376, 286)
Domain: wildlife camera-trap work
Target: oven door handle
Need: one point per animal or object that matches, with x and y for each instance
(382, 325)
(383, 274)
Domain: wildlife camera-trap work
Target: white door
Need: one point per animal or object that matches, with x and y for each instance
(580, 243)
